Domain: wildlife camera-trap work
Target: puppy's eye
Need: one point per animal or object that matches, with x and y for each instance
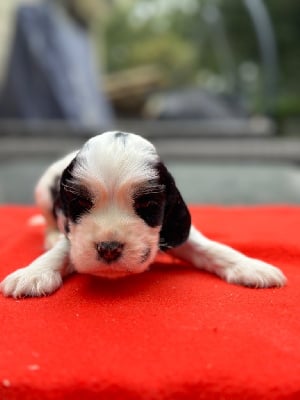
(83, 203)
(150, 207)
(77, 201)
(146, 204)
(80, 204)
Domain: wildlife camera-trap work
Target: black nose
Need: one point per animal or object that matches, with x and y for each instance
(109, 251)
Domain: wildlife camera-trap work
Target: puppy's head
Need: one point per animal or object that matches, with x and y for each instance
(121, 204)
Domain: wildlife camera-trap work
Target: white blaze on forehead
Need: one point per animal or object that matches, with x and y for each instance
(114, 159)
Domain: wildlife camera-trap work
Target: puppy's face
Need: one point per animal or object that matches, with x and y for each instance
(114, 196)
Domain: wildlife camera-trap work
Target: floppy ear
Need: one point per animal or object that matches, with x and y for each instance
(66, 177)
(177, 220)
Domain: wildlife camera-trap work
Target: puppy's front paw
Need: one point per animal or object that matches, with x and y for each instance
(255, 273)
(30, 282)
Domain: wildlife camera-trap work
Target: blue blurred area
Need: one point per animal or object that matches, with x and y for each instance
(51, 72)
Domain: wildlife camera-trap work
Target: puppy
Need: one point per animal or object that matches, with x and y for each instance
(108, 209)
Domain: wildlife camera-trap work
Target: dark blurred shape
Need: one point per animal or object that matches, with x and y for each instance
(129, 89)
(51, 72)
(195, 104)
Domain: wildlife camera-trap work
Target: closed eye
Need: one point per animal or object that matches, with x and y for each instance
(144, 203)
(150, 207)
(78, 201)
(82, 202)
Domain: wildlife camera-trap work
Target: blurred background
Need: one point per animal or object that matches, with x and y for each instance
(213, 83)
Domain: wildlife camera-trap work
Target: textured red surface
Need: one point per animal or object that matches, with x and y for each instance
(171, 333)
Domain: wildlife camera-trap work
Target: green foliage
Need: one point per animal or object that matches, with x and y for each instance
(179, 38)
(288, 106)
(131, 42)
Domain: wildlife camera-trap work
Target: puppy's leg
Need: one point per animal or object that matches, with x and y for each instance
(52, 232)
(43, 276)
(227, 263)
(52, 236)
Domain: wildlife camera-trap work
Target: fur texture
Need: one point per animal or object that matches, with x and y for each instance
(108, 209)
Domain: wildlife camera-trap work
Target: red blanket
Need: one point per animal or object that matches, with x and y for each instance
(171, 333)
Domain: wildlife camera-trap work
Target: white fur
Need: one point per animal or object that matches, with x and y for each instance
(108, 162)
(111, 172)
(227, 263)
(111, 222)
(43, 276)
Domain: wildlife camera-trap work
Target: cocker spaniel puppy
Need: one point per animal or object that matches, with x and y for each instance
(108, 209)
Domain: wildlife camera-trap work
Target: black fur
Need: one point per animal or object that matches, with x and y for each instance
(177, 219)
(145, 255)
(76, 200)
(55, 195)
(149, 205)
(159, 204)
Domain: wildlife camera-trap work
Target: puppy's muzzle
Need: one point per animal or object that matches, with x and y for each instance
(109, 251)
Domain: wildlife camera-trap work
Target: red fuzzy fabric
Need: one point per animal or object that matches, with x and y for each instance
(170, 333)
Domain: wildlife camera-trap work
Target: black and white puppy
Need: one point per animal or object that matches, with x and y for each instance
(108, 209)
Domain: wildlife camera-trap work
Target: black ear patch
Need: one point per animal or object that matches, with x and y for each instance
(177, 219)
(55, 195)
(76, 200)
